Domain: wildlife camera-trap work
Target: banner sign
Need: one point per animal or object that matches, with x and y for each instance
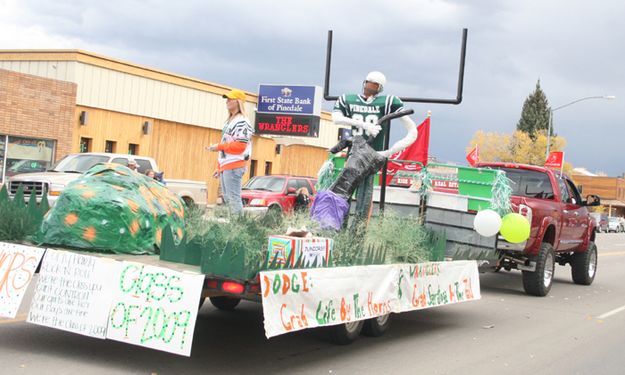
(555, 159)
(273, 124)
(155, 307)
(17, 267)
(445, 186)
(289, 99)
(74, 292)
(299, 299)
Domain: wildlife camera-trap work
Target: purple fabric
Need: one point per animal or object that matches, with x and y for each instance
(329, 210)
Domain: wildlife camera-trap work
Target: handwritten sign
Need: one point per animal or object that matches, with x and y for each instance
(298, 299)
(155, 307)
(74, 293)
(17, 267)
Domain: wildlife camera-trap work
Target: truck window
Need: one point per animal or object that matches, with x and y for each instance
(78, 163)
(143, 165)
(303, 183)
(531, 184)
(122, 161)
(574, 192)
(292, 184)
(564, 191)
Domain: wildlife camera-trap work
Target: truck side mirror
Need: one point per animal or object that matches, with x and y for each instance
(291, 190)
(580, 188)
(593, 200)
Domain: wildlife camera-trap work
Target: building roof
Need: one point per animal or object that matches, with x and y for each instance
(613, 203)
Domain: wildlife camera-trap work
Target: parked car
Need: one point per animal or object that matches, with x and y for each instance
(614, 224)
(71, 167)
(275, 192)
(601, 221)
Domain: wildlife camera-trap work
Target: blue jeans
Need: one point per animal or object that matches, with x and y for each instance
(231, 188)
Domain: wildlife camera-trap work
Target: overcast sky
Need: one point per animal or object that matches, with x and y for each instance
(576, 48)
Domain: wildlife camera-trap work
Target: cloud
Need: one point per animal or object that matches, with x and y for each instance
(572, 46)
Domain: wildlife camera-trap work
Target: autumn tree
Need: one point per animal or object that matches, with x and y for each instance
(517, 147)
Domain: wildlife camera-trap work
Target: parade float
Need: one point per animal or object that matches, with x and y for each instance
(119, 257)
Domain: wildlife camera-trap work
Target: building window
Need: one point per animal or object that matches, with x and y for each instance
(110, 147)
(133, 149)
(85, 144)
(267, 168)
(2, 160)
(253, 166)
(25, 155)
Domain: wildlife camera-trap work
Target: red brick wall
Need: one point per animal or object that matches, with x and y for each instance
(37, 107)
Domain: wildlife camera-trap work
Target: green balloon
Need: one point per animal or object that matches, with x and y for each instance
(515, 228)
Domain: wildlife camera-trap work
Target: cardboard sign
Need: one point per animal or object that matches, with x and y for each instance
(17, 267)
(314, 251)
(298, 299)
(74, 292)
(155, 307)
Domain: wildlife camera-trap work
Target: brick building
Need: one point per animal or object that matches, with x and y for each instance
(56, 102)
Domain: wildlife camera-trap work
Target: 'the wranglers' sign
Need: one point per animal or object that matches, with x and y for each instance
(288, 110)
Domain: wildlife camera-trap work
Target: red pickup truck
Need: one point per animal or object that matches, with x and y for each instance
(561, 229)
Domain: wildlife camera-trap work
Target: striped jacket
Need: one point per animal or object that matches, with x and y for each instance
(235, 147)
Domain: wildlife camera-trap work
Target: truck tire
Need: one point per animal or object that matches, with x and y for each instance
(538, 283)
(584, 265)
(376, 327)
(225, 303)
(346, 333)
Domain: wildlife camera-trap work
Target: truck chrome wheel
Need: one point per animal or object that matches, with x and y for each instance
(549, 267)
(592, 265)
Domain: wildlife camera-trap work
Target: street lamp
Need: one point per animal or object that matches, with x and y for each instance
(607, 97)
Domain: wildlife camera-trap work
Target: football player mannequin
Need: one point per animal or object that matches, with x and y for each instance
(362, 112)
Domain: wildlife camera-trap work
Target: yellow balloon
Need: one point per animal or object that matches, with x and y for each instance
(515, 228)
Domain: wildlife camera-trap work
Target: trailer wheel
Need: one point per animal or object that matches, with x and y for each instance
(346, 333)
(538, 283)
(376, 327)
(584, 265)
(225, 303)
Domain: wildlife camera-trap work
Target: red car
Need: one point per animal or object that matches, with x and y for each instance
(278, 192)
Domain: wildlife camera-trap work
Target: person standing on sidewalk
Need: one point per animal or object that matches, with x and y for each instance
(235, 149)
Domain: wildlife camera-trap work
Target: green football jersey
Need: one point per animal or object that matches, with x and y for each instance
(358, 108)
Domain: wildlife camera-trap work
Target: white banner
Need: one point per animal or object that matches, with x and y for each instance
(298, 299)
(74, 293)
(155, 307)
(17, 267)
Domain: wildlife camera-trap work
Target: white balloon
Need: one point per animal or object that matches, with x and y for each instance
(487, 223)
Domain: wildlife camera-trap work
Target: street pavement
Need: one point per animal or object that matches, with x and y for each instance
(574, 330)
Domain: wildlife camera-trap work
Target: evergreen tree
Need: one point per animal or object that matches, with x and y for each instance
(535, 114)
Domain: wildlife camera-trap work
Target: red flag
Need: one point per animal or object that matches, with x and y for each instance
(473, 157)
(555, 159)
(417, 151)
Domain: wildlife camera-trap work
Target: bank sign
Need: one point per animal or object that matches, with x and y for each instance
(288, 110)
(289, 99)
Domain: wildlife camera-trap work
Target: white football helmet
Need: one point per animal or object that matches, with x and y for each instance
(376, 77)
